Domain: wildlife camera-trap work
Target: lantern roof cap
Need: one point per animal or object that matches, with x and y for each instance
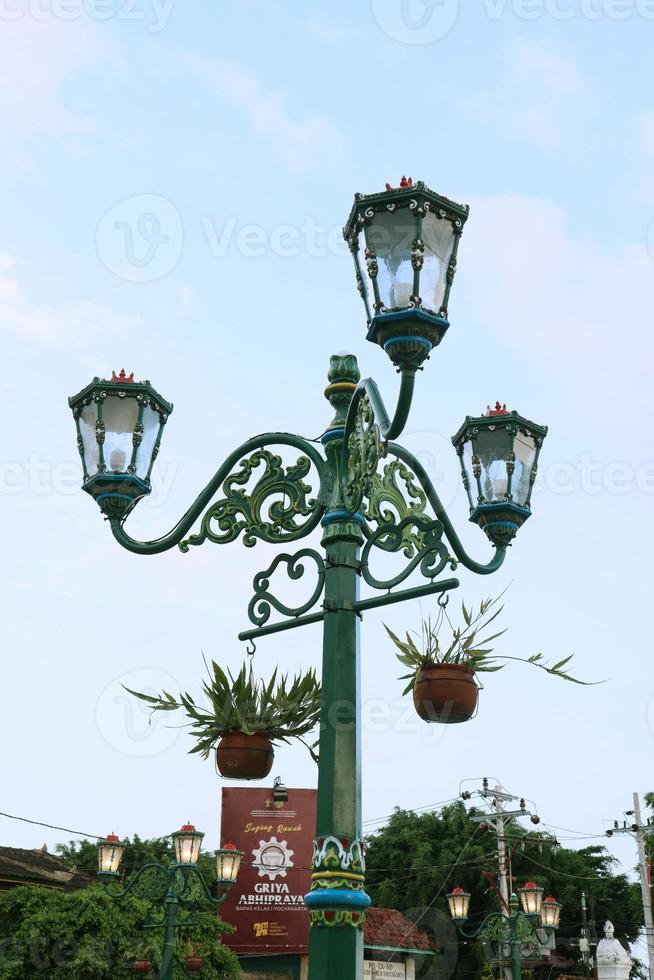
(550, 900)
(229, 847)
(511, 420)
(123, 387)
(112, 838)
(531, 885)
(187, 828)
(409, 194)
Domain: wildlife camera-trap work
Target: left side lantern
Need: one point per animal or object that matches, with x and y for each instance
(119, 427)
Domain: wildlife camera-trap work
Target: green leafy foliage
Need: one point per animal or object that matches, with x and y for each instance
(279, 708)
(416, 859)
(85, 934)
(466, 645)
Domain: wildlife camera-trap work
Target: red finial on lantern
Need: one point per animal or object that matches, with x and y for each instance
(498, 410)
(123, 378)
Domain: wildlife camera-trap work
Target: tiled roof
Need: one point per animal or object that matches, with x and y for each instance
(23, 867)
(388, 927)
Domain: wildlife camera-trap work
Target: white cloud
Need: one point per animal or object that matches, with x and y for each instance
(38, 57)
(582, 309)
(303, 143)
(81, 322)
(187, 295)
(541, 95)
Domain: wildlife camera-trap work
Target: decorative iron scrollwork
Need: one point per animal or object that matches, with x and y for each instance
(253, 513)
(387, 504)
(429, 550)
(364, 450)
(263, 601)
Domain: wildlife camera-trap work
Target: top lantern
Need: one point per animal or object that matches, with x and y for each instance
(119, 428)
(404, 243)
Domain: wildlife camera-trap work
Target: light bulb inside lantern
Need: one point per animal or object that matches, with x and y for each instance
(402, 294)
(500, 488)
(117, 460)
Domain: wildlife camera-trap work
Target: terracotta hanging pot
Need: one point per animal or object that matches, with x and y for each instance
(141, 966)
(193, 964)
(240, 756)
(446, 693)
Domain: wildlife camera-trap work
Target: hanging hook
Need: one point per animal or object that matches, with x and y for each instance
(443, 599)
(251, 652)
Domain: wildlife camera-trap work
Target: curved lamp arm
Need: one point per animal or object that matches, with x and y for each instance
(175, 536)
(125, 890)
(491, 917)
(435, 501)
(389, 429)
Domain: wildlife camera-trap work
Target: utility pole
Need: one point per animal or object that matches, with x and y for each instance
(499, 819)
(639, 832)
(588, 940)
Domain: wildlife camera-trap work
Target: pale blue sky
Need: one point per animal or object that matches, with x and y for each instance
(245, 129)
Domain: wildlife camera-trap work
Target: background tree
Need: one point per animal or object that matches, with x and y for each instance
(83, 934)
(417, 858)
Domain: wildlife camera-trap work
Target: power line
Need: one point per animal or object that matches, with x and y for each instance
(50, 826)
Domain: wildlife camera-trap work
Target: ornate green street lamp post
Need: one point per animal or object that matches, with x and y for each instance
(170, 888)
(370, 496)
(519, 935)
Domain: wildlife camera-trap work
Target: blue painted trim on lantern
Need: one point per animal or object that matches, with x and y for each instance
(504, 505)
(109, 477)
(411, 313)
(334, 516)
(509, 524)
(114, 496)
(332, 434)
(413, 340)
(337, 898)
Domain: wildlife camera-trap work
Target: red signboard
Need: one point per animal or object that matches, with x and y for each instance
(266, 904)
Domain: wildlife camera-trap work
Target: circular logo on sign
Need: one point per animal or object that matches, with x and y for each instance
(272, 858)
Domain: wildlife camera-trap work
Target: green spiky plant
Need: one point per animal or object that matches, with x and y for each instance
(241, 703)
(466, 646)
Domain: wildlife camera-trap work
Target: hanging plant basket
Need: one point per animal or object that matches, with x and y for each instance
(446, 693)
(193, 964)
(141, 966)
(241, 756)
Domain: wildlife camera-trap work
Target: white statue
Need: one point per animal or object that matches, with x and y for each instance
(613, 961)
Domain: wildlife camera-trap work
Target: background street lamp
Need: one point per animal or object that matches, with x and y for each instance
(522, 934)
(170, 888)
(404, 243)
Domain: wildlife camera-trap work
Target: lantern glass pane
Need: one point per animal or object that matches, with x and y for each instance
(151, 424)
(493, 446)
(531, 900)
(391, 235)
(459, 903)
(227, 865)
(109, 857)
(120, 416)
(187, 848)
(525, 455)
(438, 237)
(87, 422)
(360, 260)
(466, 460)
